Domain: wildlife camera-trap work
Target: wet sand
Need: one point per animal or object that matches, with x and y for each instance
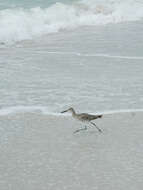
(40, 152)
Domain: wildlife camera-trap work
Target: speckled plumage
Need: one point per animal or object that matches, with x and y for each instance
(84, 117)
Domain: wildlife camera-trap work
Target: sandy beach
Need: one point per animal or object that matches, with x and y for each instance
(71, 53)
(40, 152)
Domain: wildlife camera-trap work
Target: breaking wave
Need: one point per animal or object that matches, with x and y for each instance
(22, 24)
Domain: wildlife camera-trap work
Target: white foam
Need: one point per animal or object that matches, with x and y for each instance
(21, 24)
(120, 111)
(45, 111)
(96, 55)
(24, 109)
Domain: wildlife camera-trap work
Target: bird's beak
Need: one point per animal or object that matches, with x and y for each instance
(64, 111)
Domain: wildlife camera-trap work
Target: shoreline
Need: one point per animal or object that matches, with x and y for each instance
(13, 110)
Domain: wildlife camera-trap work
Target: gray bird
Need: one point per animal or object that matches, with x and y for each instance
(84, 117)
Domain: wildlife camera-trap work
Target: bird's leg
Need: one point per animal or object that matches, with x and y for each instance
(85, 128)
(96, 127)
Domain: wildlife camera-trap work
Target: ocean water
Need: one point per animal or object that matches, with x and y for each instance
(85, 54)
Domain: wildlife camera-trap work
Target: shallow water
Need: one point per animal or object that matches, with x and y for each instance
(91, 68)
(84, 54)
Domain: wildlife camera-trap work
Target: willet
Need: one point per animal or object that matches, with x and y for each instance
(84, 117)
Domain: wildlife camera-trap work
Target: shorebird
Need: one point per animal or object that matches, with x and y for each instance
(84, 117)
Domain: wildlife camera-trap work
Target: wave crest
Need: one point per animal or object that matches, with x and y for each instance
(21, 24)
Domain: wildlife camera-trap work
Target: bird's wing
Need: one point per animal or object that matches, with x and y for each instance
(89, 116)
(84, 116)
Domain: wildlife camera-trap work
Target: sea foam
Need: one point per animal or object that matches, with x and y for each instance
(7, 111)
(22, 24)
